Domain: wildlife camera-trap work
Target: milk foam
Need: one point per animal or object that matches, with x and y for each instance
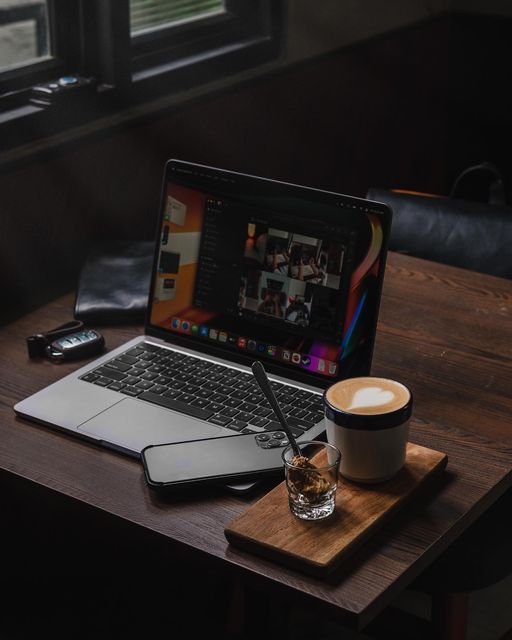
(368, 395)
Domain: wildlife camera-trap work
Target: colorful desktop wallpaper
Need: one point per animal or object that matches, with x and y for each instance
(180, 236)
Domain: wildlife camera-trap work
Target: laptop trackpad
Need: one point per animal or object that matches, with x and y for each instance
(134, 424)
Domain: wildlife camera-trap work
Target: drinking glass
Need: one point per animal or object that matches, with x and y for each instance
(312, 485)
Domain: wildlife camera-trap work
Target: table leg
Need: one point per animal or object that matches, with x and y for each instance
(235, 622)
(450, 616)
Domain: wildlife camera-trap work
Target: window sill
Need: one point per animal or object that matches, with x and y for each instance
(13, 115)
(58, 128)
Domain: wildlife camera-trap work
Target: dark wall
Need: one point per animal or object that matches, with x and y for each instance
(408, 109)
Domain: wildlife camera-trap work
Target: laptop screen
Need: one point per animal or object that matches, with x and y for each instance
(288, 274)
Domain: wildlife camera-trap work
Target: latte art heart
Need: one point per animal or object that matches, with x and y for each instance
(371, 397)
(368, 395)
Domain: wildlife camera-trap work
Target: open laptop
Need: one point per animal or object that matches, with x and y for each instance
(245, 268)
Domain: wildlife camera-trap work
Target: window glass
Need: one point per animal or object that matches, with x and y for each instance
(148, 15)
(24, 33)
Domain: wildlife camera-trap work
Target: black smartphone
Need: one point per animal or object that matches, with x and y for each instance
(224, 460)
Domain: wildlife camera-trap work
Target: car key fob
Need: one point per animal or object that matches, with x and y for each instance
(81, 344)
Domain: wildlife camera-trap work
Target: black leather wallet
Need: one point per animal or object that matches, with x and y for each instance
(114, 283)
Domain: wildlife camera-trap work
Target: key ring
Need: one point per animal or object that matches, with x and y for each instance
(37, 344)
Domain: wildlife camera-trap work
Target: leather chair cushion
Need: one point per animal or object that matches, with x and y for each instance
(462, 233)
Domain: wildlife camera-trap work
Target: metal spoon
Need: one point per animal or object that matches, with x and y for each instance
(261, 378)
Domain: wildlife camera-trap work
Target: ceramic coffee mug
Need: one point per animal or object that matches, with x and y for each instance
(367, 418)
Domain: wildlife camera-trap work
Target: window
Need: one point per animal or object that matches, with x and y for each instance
(39, 39)
(154, 14)
(213, 36)
(128, 51)
(24, 33)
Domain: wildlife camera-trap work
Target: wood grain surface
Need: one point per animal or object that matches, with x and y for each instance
(269, 529)
(446, 332)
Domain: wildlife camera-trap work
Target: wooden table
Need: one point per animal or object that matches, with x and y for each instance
(446, 332)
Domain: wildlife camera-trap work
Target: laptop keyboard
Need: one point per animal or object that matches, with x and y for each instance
(222, 395)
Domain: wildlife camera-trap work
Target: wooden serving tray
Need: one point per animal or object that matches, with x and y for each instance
(269, 529)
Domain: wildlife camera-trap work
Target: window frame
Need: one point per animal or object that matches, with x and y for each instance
(174, 41)
(142, 65)
(93, 38)
(65, 49)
